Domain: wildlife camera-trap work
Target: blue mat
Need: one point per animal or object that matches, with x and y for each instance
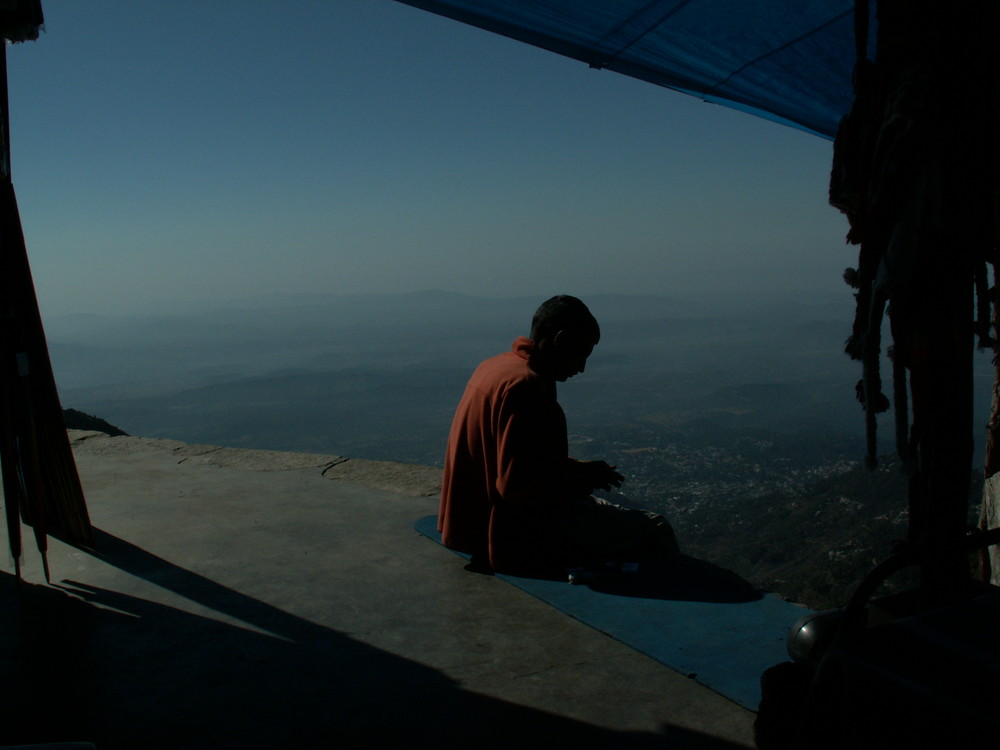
(697, 619)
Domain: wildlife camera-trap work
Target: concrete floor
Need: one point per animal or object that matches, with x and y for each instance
(243, 599)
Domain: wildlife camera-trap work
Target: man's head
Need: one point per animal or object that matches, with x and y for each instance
(565, 333)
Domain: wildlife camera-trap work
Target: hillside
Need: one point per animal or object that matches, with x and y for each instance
(78, 420)
(816, 543)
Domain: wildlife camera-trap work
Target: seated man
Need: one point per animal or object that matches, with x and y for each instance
(511, 496)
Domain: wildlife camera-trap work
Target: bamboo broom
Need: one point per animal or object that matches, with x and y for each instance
(12, 489)
(51, 484)
(40, 480)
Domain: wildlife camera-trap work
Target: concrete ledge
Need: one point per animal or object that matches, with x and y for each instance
(403, 479)
(389, 476)
(228, 606)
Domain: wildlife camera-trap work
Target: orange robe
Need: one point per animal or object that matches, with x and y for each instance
(507, 474)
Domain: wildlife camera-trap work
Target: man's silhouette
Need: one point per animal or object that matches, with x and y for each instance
(511, 496)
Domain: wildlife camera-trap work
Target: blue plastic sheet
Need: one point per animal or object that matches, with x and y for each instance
(788, 62)
(725, 643)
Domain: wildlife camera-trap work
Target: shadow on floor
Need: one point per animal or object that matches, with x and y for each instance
(79, 662)
(683, 579)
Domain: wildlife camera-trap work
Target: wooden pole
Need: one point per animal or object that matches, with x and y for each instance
(989, 513)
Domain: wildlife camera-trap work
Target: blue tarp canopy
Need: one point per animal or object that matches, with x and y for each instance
(790, 62)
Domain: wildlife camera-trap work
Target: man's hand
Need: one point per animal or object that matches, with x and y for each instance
(602, 476)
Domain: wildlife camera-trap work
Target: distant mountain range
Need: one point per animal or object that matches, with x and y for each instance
(377, 376)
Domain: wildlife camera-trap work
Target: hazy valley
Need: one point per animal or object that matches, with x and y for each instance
(716, 411)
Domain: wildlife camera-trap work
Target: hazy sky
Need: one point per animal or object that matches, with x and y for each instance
(170, 152)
